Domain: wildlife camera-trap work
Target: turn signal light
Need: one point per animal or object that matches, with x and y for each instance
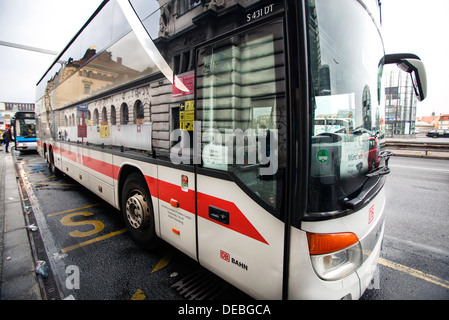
(322, 243)
(174, 203)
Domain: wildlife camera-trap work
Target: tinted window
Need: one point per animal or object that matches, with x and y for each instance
(346, 65)
(241, 102)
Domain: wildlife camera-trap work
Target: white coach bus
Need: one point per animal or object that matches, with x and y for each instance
(196, 120)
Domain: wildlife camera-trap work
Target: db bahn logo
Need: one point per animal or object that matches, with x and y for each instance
(371, 214)
(227, 257)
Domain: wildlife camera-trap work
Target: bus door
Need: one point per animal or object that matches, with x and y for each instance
(176, 189)
(240, 183)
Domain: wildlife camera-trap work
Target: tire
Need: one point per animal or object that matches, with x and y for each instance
(51, 164)
(137, 210)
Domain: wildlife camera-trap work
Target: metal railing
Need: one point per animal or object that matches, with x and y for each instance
(434, 145)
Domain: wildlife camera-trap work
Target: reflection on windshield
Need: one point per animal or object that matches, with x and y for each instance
(348, 124)
(91, 65)
(26, 128)
(110, 52)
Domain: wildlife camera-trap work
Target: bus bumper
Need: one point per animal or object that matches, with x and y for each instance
(26, 146)
(372, 247)
(304, 283)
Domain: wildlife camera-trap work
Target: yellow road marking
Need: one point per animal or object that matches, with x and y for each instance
(67, 221)
(73, 210)
(139, 295)
(38, 181)
(31, 160)
(163, 262)
(57, 184)
(415, 273)
(85, 243)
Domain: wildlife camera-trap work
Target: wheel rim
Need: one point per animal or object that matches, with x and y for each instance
(136, 209)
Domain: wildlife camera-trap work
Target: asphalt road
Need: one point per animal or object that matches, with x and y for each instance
(94, 258)
(90, 252)
(415, 255)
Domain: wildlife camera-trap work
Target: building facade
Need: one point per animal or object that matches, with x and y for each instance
(400, 104)
(18, 106)
(443, 122)
(8, 109)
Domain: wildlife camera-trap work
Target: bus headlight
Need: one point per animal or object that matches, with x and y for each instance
(335, 255)
(337, 265)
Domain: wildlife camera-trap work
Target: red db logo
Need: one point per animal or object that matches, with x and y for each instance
(371, 214)
(225, 256)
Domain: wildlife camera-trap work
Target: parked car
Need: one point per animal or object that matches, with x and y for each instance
(437, 133)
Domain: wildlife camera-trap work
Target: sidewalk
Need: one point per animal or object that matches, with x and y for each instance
(18, 277)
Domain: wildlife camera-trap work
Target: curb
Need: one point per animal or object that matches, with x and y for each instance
(19, 280)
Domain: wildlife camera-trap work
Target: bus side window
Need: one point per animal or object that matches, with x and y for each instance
(242, 108)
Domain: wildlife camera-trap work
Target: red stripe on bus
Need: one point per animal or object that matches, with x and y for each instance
(237, 220)
(68, 154)
(166, 191)
(152, 186)
(99, 166)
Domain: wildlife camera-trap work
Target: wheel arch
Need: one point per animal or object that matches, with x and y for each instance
(145, 239)
(125, 171)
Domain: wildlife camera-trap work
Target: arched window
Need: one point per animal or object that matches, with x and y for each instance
(104, 116)
(113, 116)
(95, 117)
(124, 116)
(139, 112)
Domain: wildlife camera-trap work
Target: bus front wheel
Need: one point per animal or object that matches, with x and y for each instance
(138, 211)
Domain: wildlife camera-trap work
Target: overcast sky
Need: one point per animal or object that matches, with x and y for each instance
(45, 24)
(412, 26)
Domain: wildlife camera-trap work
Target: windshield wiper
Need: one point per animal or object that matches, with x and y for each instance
(383, 169)
(370, 187)
(378, 172)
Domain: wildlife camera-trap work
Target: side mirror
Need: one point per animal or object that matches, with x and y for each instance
(412, 64)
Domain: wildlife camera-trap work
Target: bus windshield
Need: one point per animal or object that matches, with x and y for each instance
(348, 117)
(26, 128)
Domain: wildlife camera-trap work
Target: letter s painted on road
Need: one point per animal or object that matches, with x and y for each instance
(67, 221)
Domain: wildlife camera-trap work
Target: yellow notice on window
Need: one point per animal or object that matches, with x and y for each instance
(186, 115)
(105, 131)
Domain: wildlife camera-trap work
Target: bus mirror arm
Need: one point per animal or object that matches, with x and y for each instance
(412, 64)
(382, 170)
(386, 155)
